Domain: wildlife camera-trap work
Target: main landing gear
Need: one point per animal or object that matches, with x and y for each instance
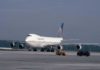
(60, 51)
(83, 53)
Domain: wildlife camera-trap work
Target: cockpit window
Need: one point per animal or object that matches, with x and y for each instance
(34, 35)
(29, 35)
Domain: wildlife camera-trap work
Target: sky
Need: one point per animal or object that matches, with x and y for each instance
(81, 19)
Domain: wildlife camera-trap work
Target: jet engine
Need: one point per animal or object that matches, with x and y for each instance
(79, 47)
(82, 52)
(17, 45)
(60, 50)
(13, 44)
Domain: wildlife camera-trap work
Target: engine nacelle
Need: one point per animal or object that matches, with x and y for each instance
(59, 47)
(17, 45)
(82, 52)
(13, 44)
(79, 47)
(21, 45)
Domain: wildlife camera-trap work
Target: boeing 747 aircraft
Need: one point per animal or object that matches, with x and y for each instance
(34, 41)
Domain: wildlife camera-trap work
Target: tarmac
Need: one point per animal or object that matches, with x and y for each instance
(26, 60)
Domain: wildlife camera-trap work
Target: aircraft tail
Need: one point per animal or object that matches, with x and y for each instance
(60, 30)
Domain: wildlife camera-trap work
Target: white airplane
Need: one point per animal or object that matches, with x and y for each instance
(35, 40)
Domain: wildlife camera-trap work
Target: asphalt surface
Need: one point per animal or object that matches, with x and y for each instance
(25, 60)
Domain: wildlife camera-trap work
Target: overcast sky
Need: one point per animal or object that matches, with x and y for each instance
(21, 17)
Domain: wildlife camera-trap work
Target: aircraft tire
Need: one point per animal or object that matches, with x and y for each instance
(63, 53)
(42, 50)
(52, 50)
(34, 49)
(79, 53)
(59, 52)
(48, 50)
(87, 53)
(29, 49)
